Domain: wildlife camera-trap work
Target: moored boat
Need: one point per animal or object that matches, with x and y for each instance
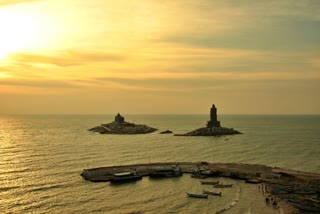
(223, 185)
(125, 177)
(204, 173)
(192, 195)
(199, 176)
(165, 172)
(209, 182)
(253, 181)
(212, 193)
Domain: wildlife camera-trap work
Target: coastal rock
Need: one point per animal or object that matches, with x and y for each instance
(213, 127)
(166, 132)
(120, 126)
(215, 131)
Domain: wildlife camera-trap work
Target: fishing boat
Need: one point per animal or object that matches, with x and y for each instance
(165, 172)
(209, 182)
(223, 185)
(212, 193)
(253, 181)
(192, 195)
(199, 176)
(203, 173)
(125, 177)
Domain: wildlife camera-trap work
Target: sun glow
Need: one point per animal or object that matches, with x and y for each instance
(18, 32)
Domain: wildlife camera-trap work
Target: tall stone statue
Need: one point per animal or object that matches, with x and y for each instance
(213, 122)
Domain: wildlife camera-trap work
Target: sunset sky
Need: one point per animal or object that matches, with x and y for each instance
(159, 56)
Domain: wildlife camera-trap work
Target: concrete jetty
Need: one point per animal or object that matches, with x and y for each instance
(289, 190)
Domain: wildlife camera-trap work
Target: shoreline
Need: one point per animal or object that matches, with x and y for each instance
(290, 191)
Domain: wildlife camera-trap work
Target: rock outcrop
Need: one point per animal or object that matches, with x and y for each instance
(215, 131)
(213, 127)
(166, 132)
(120, 126)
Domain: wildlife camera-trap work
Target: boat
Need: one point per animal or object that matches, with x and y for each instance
(209, 182)
(223, 185)
(252, 181)
(125, 177)
(212, 193)
(192, 195)
(165, 172)
(199, 176)
(203, 173)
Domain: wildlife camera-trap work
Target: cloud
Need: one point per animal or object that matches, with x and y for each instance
(14, 2)
(280, 35)
(315, 62)
(303, 9)
(66, 58)
(38, 83)
(264, 25)
(211, 76)
(39, 86)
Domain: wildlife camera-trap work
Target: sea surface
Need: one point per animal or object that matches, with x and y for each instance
(42, 156)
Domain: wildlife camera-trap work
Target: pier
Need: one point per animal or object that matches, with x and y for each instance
(289, 190)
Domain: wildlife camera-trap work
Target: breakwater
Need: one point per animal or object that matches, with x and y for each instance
(289, 190)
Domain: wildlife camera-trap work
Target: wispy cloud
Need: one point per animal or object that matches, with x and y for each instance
(315, 62)
(305, 9)
(66, 58)
(265, 25)
(228, 76)
(13, 2)
(231, 51)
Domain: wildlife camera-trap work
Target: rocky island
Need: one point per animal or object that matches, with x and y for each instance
(213, 127)
(166, 132)
(120, 126)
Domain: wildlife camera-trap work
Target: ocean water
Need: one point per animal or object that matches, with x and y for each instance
(42, 156)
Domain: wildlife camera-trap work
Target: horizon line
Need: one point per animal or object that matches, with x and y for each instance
(99, 114)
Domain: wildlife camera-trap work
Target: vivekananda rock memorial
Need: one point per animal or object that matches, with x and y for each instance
(120, 126)
(213, 127)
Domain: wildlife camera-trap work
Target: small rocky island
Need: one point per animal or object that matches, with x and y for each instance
(120, 126)
(213, 127)
(166, 132)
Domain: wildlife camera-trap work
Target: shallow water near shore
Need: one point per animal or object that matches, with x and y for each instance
(42, 158)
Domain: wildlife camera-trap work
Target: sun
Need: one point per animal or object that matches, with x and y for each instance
(17, 32)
